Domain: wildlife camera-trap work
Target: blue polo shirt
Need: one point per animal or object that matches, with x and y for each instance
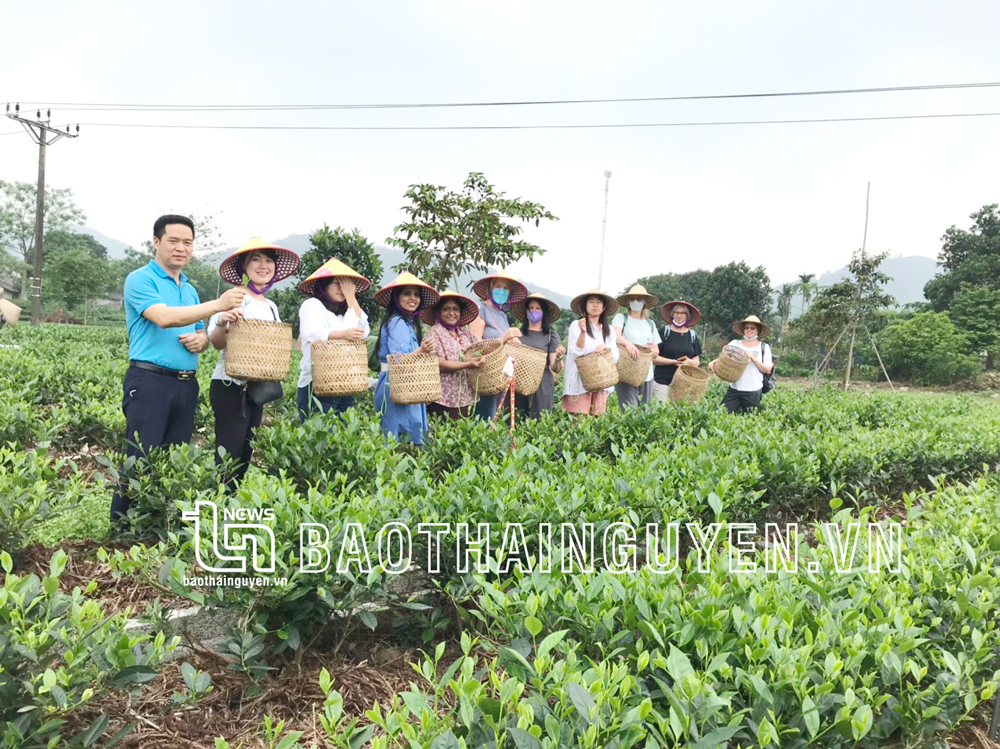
(147, 341)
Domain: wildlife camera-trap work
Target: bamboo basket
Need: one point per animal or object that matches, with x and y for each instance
(413, 378)
(598, 371)
(633, 372)
(259, 350)
(731, 364)
(689, 384)
(489, 379)
(339, 367)
(529, 368)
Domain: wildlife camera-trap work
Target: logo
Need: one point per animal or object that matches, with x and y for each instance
(243, 537)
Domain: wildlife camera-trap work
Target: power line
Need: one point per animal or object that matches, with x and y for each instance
(545, 127)
(110, 107)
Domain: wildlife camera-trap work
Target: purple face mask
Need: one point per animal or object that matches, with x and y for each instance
(535, 315)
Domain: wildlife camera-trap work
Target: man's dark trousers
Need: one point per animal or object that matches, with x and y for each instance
(159, 411)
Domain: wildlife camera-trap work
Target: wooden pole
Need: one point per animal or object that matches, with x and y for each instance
(850, 355)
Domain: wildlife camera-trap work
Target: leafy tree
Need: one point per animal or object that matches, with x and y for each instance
(731, 292)
(351, 248)
(975, 310)
(448, 233)
(689, 286)
(968, 258)
(75, 277)
(61, 240)
(927, 349)
(17, 219)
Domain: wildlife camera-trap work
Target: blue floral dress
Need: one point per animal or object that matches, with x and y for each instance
(399, 337)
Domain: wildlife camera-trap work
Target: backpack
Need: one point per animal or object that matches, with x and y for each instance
(769, 379)
(666, 334)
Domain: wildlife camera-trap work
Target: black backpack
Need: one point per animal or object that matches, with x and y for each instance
(769, 379)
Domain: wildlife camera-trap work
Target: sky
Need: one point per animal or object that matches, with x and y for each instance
(790, 197)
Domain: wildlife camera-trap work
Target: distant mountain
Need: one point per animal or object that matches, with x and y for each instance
(115, 248)
(908, 274)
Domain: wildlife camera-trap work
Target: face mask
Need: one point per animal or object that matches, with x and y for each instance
(749, 337)
(680, 321)
(534, 315)
(500, 296)
(636, 305)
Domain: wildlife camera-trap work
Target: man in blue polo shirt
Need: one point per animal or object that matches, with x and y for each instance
(166, 331)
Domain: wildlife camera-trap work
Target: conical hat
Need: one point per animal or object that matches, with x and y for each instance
(693, 313)
(610, 303)
(333, 268)
(285, 265)
(10, 311)
(552, 311)
(470, 310)
(429, 297)
(762, 330)
(638, 290)
(518, 290)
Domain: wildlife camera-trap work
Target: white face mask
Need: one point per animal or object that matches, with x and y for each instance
(750, 337)
(636, 305)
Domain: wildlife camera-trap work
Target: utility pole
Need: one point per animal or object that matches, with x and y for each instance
(44, 135)
(604, 227)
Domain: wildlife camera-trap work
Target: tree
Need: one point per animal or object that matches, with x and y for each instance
(927, 349)
(785, 295)
(75, 277)
(61, 240)
(18, 202)
(975, 310)
(449, 233)
(806, 289)
(969, 258)
(731, 292)
(688, 286)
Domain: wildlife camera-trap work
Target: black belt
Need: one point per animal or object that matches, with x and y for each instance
(185, 374)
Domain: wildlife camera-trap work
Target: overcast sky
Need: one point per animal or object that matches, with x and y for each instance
(789, 196)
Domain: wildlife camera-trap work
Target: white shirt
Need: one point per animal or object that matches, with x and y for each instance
(253, 310)
(315, 324)
(574, 384)
(752, 378)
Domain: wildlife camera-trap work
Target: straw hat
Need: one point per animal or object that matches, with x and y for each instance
(694, 314)
(285, 265)
(333, 268)
(518, 291)
(551, 309)
(428, 296)
(470, 310)
(610, 304)
(10, 311)
(763, 330)
(638, 290)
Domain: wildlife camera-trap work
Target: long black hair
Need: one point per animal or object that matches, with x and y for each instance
(319, 291)
(392, 311)
(603, 319)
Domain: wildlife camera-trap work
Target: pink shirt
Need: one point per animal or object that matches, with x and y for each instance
(456, 392)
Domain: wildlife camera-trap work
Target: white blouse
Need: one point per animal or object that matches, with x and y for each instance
(315, 324)
(752, 378)
(573, 384)
(253, 309)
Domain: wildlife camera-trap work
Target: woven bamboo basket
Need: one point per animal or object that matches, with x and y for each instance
(689, 384)
(259, 350)
(633, 371)
(489, 379)
(731, 364)
(339, 367)
(529, 368)
(598, 371)
(414, 378)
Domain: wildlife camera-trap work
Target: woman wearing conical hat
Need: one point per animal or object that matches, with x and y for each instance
(499, 292)
(400, 333)
(330, 313)
(744, 395)
(449, 320)
(636, 332)
(592, 333)
(679, 344)
(537, 313)
(257, 265)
